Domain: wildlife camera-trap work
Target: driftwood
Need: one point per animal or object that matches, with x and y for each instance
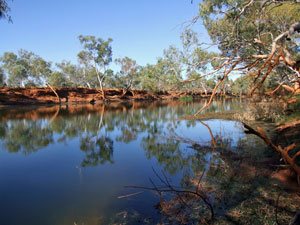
(286, 153)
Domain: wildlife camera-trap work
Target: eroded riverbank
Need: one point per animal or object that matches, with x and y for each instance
(24, 96)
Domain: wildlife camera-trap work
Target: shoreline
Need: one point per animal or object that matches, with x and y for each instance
(46, 96)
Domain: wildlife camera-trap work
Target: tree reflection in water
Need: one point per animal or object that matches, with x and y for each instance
(230, 164)
(25, 136)
(97, 151)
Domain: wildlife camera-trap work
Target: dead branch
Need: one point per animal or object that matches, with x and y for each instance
(227, 62)
(54, 92)
(273, 59)
(244, 8)
(168, 188)
(226, 73)
(276, 89)
(288, 88)
(283, 151)
(288, 125)
(269, 70)
(213, 140)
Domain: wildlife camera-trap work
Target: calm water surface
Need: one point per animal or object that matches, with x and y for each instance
(70, 165)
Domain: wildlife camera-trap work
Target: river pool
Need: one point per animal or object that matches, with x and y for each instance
(72, 164)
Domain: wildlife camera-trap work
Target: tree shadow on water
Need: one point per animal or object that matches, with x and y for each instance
(236, 180)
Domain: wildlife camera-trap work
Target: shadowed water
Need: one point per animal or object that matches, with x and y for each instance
(70, 164)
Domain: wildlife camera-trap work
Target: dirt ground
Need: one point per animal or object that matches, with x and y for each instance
(19, 96)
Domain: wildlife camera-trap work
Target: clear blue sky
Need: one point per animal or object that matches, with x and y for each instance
(140, 29)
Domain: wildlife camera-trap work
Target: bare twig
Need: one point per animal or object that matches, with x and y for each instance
(168, 188)
(130, 195)
(226, 73)
(203, 198)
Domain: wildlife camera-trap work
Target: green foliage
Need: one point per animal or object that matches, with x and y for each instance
(2, 77)
(26, 67)
(68, 73)
(57, 79)
(97, 53)
(294, 113)
(237, 36)
(242, 84)
(96, 49)
(239, 28)
(242, 29)
(149, 79)
(128, 75)
(186, 98)
(211, 83)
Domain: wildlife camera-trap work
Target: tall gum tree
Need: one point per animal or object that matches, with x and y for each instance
(25, 68)
(255, 37)
(128, 73)
(99, 53)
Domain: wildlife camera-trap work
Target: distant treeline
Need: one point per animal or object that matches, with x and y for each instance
(257, 44)
(177, 69)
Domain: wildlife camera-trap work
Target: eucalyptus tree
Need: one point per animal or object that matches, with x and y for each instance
(255, 36)
(26, 67)
(68, 72)
(171, 66)
(190, 43)
(127, 76)
(157, 77)
(242, 84)
(98, 53)
(16, 72)
(37, 68)
(169, 73)
(57, 79)
(84, 59)
(165, 74)
(149, 78)
(193, 63)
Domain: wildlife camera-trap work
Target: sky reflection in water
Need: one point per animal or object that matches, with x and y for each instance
(70, 164)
